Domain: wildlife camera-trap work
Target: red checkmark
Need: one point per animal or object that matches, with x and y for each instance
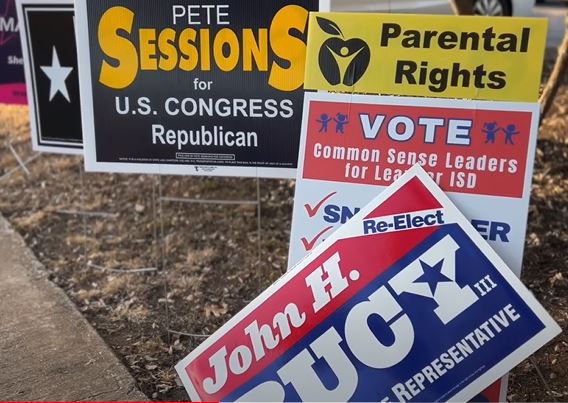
(309, 245)
(312, 211)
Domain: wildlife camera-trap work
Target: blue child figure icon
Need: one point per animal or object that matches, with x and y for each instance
(509, 133)
(323, 120)
(490, 129)
(340, 122)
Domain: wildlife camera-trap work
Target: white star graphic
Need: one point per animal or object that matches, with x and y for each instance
(57, 74)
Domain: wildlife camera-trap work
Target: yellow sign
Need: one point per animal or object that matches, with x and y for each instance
(490, 58)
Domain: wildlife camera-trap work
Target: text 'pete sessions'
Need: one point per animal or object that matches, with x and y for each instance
(273, 49)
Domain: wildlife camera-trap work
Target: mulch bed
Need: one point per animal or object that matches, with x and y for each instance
(210, 267)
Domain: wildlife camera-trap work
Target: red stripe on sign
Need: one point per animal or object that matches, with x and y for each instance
(475, 151)
(492, 392)
(399, 202)
(361, 260)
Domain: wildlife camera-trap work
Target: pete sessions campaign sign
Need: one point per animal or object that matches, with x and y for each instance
(405, 302)
(192, 87)
(353, 146)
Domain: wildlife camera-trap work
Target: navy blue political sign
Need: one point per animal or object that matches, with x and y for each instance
(405, 302)
(12, 85)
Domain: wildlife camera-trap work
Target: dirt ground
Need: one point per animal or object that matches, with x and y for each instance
(110, 262)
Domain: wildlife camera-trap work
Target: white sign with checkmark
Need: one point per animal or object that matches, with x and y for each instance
(353, 146)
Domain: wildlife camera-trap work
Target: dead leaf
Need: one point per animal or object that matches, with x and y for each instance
(557, 278)
(216, 311)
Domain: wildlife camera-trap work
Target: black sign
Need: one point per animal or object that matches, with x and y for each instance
(12, 85)
(193, 87)
(53, 83)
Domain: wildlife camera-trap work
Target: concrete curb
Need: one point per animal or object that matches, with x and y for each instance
(48, 350)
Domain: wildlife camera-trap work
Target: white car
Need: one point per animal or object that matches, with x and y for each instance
(483, 7)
